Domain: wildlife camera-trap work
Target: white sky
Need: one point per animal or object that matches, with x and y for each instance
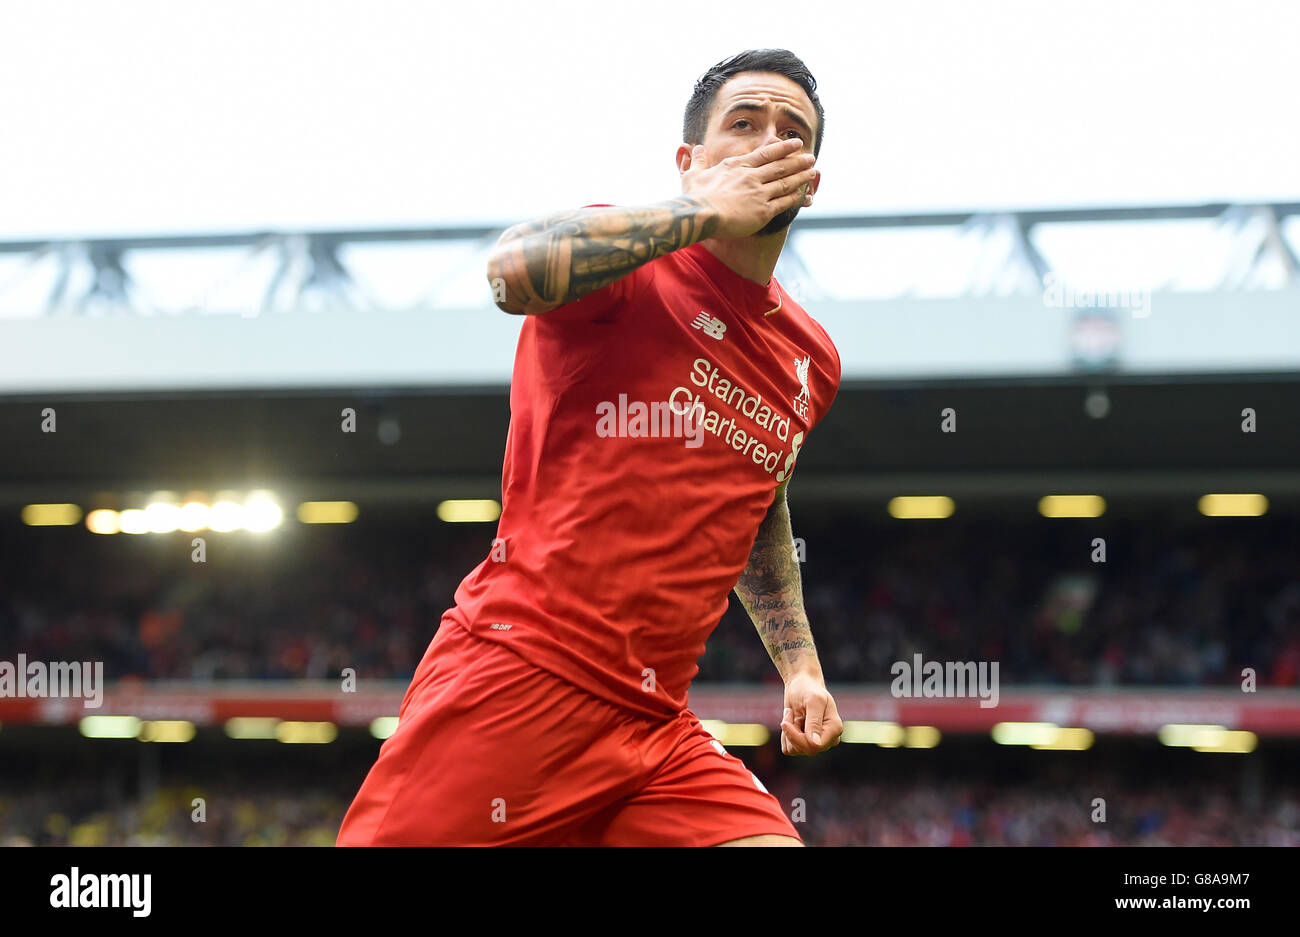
(135, 117)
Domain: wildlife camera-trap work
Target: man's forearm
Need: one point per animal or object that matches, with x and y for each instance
(557, 259)
(771, 592)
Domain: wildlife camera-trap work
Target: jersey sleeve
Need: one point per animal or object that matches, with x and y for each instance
(834, 372)
(604, 304)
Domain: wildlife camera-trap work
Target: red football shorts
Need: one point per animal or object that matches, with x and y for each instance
(490, 750)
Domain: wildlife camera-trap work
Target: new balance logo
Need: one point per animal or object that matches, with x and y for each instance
(709, 325)
(497, 626)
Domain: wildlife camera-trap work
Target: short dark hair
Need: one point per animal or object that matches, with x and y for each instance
(780, 61)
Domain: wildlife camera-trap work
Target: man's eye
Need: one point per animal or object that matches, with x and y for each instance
(739, 122)
(797, 134)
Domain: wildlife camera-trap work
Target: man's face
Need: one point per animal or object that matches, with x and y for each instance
(754, 109)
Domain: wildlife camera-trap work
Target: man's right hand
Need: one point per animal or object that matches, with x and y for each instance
(539, 265)
(749, 191)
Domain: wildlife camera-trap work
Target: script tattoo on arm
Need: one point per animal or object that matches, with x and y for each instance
(557, 259)
(772, 594)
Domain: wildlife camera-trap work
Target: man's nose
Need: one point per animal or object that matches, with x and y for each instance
(770, 137)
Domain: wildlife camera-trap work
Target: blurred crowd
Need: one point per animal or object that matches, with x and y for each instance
(1188, 606)
(838, 811)
(1177, 607)
(957, 813)
(59, 817)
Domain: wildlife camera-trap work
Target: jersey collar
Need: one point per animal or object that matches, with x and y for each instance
(749, 296)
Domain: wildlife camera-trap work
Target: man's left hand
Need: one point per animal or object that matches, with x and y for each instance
(811, 724)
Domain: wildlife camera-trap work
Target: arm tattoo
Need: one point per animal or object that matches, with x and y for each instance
(771, 592)
(569, 254)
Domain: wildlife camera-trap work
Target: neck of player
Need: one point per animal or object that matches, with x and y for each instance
(753, 257)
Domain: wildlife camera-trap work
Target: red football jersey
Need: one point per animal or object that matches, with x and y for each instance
(651, 423)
